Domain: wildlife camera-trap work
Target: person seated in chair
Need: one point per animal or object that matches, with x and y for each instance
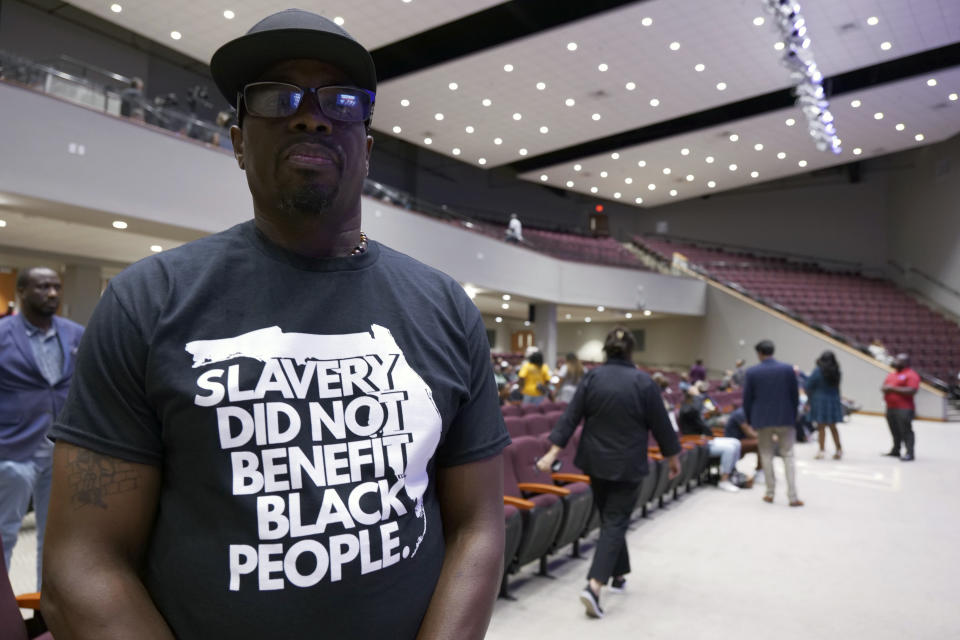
(737, 427)
(691, 422)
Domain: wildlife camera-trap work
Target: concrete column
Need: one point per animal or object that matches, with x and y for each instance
(545, 332)
(81, 292)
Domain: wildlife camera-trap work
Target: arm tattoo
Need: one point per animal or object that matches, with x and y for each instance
(93, 477)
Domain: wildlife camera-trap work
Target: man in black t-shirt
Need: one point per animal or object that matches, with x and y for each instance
(284, 430)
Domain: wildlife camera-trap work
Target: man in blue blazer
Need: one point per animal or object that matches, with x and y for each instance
(770, 400)
(37, 350)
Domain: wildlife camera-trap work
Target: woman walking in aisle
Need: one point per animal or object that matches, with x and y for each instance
(823, 393)
(620, 405)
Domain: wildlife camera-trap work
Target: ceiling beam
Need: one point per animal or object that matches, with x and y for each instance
(485, 29)
(891, 71)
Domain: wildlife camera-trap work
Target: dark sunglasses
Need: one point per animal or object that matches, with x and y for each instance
(281, 100)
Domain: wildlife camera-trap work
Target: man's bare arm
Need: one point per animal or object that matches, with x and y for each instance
(101, 513)
(471, 505)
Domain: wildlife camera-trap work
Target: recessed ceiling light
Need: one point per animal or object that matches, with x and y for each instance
(595, 116)
(453, 86)
(117, 9)
(790, 122)
(647, 312)
(666, 171)
(802, 163)
(918, 137)
(781, 155)
(699, 67)
(438, 116)
(641, 163)
(673, 193)
(526, 323)
(407, 1)
(456, 151)
(647, 22)
(628, 180)
(541, 86)
(654, 102)
(603, 174)
(684, 151)
(932, 82)
(734, 137)
(486, 102)
(628, 315)
(885, 46)
(3, 223)
(505, 297)
(544, 177)
(482, 161)
(758, 21)
(404, 103)
(504, 305)
(593, 189)
(778, 46)
(721, 86)
(754, 174)
(568, 316)
(855, 104)
(569, 183)
(517, 116)
(638, 200)
(952, 97)
(617, 194)
(569, 102)
(577, 167)
(758, 147)
(338, 21)
(428, 141)
(119, 224)
(544, 129)
(176, 35)
(674, 46)
(873, 21)
(900, 126)
(498, 141)
(588, 319)
(498, 319)
(397, 129)
(630, 86)
(522, 151)
(571, 46)
(469, 128)
(508, 67)
(652, 187)
(690, 177)
(857, 151)
(732, 167)
(878, 115)
(156, 248)
(711, 184)
(709, 159)
(602, 67)
(615, 156)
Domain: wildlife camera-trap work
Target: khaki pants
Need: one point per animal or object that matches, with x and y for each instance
(785, 437)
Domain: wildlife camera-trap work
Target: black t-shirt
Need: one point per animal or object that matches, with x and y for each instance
(299, 409)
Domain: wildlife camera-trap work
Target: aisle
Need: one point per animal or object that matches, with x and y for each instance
(873, 554)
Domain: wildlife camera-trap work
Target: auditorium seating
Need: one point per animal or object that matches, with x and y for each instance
(847, 305)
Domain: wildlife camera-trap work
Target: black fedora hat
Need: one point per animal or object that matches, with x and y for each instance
(289, 35)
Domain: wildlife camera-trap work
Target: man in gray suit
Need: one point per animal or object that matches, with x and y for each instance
(770, 399)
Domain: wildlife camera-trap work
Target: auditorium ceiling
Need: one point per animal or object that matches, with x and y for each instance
(646, 92)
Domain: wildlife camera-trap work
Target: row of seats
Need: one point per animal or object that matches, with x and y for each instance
(544, 513)
(851, 306)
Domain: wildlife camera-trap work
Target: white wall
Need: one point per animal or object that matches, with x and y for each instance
(924, 226)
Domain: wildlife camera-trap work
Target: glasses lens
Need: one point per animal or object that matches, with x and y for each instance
(344, 103)
(272, 99)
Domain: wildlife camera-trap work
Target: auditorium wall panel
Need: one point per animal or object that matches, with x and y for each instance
(924, 227)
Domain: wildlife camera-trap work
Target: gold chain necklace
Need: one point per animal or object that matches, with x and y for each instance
(361, 247)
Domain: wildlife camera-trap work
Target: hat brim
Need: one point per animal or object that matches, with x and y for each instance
(242, 61)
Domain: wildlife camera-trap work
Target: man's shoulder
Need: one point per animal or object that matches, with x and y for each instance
(429, 280)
